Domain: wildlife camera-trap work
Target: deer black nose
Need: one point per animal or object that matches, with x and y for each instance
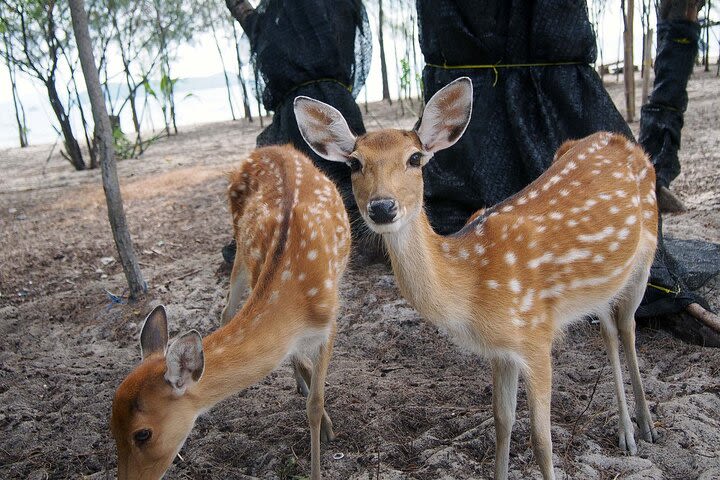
(382, 210)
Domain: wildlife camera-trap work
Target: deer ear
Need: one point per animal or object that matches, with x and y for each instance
(324, 129)
(185, 362)
(446, 115)
(154, 334)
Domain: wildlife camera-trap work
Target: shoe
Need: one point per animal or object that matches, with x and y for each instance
(668, 202)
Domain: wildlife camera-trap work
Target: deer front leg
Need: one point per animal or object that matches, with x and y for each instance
(539, 394)
(505, 381)
(316, 404)
(238, 283)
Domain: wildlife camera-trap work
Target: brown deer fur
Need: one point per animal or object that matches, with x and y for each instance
(579, 240)
(293, 242)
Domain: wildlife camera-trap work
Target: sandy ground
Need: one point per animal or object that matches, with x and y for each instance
(405, 402)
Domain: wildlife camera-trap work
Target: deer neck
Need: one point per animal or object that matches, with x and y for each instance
(425, 274)
(243, 352)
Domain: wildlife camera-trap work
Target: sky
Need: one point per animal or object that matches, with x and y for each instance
(201, 59)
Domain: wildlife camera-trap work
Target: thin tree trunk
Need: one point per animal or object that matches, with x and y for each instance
(628, 8)
(707, 35)
(257, 95)
(383, 63)
(71, 145)
(17, 104)
(241, 79)
(222, 62)
(103, 131)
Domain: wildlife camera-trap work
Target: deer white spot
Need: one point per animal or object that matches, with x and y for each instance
(588, 282)
(556, 215)
(510, 258)
(285, 275)
(312, 292)
(255, 253)
(647, 214)
(635, 200)
(541, 229)
(596, 237)
(328, 283)
(533, 194)
(274, 296)
(479, 230)
(507, 208)
(533, 244)
(613, 246)
(514, 285)
(590, 203)
(613, 209)
(623, 233)
(463, 254)
(445, 247)
(553, 291)
(526, 302)
(582, 156)
(479, 249)
(493, 284)
(631, 220)
(553, 201)
(572, 255)
(605, 196)
(595, 172)
(522, 201)
(301, 277)
(564, 192)
(544, 258)
(312, 254)
(598, 259)
(621, 193)
(572, 223)
(517, 322)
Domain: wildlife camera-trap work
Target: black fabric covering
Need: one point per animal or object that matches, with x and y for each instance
(521, 115)
(318, 48)
(661, 118)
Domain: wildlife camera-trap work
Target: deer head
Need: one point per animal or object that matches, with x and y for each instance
(153, 410)
(387, 165)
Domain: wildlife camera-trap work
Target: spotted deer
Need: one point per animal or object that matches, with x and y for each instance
(578, 241)
(293, 241)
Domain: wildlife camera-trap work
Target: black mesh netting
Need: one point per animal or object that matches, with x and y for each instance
(521, 115)
(318, 48)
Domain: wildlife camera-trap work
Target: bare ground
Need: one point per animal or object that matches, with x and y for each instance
(405, 402)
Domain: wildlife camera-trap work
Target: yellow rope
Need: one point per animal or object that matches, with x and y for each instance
(495, 66)
(663, 289)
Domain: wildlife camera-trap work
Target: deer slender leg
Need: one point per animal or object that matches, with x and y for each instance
(625, 319)
(505, 381)
(609, 331)
(539, 393)
(238, 283)
(316, 404)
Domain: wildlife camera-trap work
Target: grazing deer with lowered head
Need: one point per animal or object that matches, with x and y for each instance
(293, 241)
(579, 240)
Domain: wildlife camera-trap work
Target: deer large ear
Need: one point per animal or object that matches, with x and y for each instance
(446, 115)
(324, 129)
(154, 334)
(185, 362)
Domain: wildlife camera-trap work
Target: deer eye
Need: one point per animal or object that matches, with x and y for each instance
(354, 164)
(415, 159)
(142, 436)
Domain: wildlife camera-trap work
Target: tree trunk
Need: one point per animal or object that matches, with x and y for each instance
(383, 63)
(222, 62)
(707, 36)
(71, 145)
(103, 132)
(646, 66)
(17, 104)
(628, 8)
(241, 79)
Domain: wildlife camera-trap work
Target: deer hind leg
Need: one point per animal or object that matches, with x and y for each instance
(504, 398)
(539, 381)
(626, 305)
(609, 331)
(320, 424)
(239, 282)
